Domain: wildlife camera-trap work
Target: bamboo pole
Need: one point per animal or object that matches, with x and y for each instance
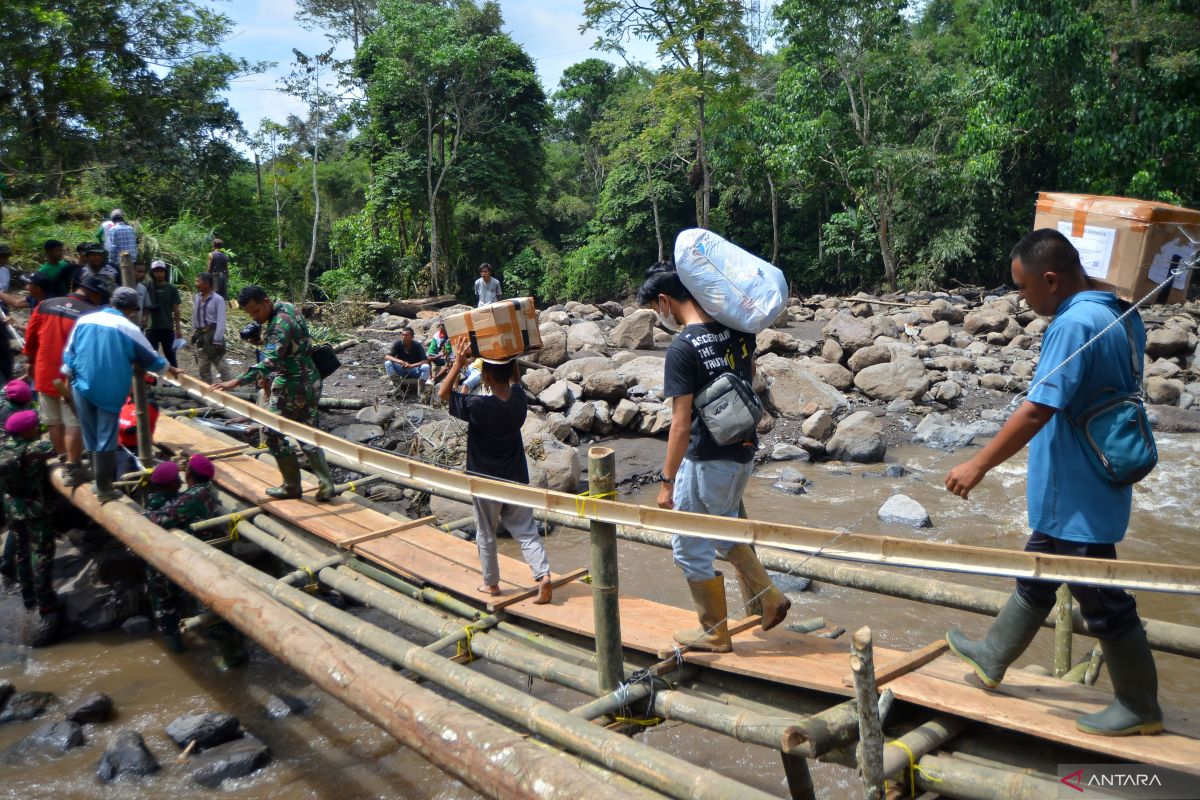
(925, 738)
(1062, 631)
(1167, 637)
(884, 550)
(145, 444)
(487, 757)
(870, 732)
(799, 778)
(953, 777)
(602, 482)
(1094, 664)
(661, 772)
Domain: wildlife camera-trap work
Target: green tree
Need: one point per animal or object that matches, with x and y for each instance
(705, 46)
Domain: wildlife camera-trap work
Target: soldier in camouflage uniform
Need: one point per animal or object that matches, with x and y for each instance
(17, 397)
(24, 473)
(295, 387)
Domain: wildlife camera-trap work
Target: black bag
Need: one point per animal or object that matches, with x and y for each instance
(325, 359)
(729, 408)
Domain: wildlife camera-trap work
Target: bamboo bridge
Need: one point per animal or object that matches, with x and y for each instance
(802, 695)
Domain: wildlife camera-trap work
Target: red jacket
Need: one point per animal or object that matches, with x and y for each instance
(46, 335)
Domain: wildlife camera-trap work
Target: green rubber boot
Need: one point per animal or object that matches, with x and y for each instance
(320, 467)
(289, 468)
(1010, 634)
(1134, 708)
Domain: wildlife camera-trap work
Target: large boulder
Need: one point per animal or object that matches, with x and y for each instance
(538, 380)
(858, 438)
(937, 333)
(357, 432)
(832, 352)
(625, 414)
(835, 375)
(582, 417)
(656, 419)
(791, 388)
(556, 397)
(235, 759)
(635, 332)
(1169, 341)
(851, 332)
(126, 754)
(819, 426)
(586, 336)
(939, 431)
(606, 385)
(552, 464)
(869, 357)
(95, 707)
(576, 369)
(945, 311)
(904, 377)
(24, 706)
(900, 509)
(375, 415)
(774, 341)
(1164, 391)
(646, 371)
(986, 320)
(554, 347)
(206, 730)
(602, 424)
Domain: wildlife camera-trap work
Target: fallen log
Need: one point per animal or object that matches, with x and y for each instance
(410, 308)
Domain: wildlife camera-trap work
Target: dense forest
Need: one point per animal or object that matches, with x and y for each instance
(855, 143)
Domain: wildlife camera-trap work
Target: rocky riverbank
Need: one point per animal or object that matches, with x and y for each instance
(843, 379)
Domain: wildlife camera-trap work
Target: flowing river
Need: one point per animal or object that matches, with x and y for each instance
(329, 753)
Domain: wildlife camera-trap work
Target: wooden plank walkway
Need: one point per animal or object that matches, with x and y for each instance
(1032, 705)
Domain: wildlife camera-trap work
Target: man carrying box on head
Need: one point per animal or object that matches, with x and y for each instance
(495, 450)
(1073, 509)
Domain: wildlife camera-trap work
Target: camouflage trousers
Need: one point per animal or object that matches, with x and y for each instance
(168, 602)
(34, 562)
(300, 404)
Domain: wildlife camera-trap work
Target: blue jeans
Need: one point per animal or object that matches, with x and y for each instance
(706, 487)
(99, 426)
(397, 371)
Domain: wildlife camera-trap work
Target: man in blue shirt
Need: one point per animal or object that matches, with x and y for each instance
(1073, 510)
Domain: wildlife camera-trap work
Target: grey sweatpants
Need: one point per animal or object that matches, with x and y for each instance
(518, 521)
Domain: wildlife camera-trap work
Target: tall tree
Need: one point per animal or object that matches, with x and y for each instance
(341, 20)
(704, 45)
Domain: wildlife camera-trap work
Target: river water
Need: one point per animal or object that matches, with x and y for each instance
(330, 753)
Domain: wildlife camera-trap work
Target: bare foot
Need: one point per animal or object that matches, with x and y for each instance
(493, 590)
(545, 591)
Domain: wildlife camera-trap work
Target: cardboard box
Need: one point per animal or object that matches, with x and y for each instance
(1127, 246)
(500, 330)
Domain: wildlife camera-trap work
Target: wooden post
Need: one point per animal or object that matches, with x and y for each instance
(145, 439)
(870, 732)
(1062, 631)
(602, 482)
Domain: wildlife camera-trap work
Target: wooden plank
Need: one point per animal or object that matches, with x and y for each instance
(554, 583)
(906, 663)
(366, 537)
(743, 625)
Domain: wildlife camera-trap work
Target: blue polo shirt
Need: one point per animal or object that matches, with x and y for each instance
(1066, 495)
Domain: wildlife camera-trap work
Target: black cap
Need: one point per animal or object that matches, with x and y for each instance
(42, 280)
(95, 283)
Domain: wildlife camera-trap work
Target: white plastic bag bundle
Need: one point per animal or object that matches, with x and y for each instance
(737, 289)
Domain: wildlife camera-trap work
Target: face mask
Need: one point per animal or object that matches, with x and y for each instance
(668, 320)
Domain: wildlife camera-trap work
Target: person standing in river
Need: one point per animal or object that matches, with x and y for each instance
(699, 475)
(1073, 511)
(295, 388)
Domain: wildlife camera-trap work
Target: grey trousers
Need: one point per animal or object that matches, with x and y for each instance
(518, 521)
(207, 358)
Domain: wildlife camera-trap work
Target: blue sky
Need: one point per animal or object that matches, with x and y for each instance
(266, 30)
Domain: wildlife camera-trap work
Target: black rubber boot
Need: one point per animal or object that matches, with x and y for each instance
(1134, 708)
(104, 465)
(48, 627)
(289, 468)
(320, 467)
(1010, 634)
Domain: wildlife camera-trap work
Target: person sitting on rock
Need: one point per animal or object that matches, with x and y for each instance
(439, 351)
(495, 449)
(700, 475)
(24, 481)
(407, 359)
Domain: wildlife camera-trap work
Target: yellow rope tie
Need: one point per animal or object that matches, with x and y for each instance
(144, 479)
(645, 723)
(312, 586)
(581, 501)
(913, 767)
(353, 489)
(464, 645)
(233, 526)
(191, 412)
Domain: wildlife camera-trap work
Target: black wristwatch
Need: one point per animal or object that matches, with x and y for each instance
(662, 478)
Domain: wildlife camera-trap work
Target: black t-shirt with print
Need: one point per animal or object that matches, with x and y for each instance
(494, 445)
(697, 356)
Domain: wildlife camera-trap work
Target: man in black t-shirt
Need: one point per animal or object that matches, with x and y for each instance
(218, 267)
(407, 359)
(699, 475)
(495, 449)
